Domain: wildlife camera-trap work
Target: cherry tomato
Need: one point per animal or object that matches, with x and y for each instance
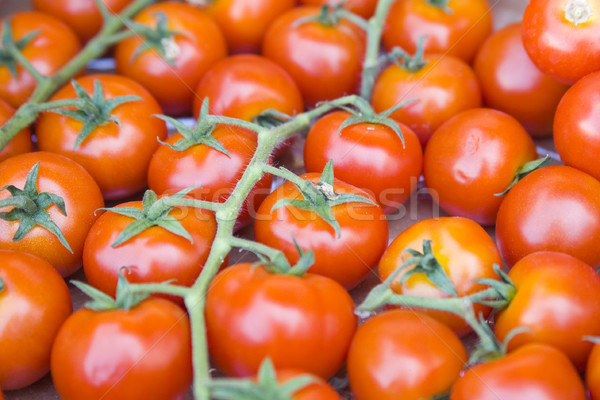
(524, 92)
(52, 47)
(82, 16)
(464, 250)
(405, 355)
(458, 30)
(389, 169)
(560, 36)
(318, 390)
(171, 170)
(554, 208)
(533, 371)
(244, 22)
(116, 155)
(331, 55)
(299, 322)
(444, 87)
(473, 156)
(592, 373)
(347, 258)
(34, 302)
(19, 144)
(245, 85)
(197, 44)
(143, 353)
(65, 178)
(576, 139)
(364, 8)
(557, 300)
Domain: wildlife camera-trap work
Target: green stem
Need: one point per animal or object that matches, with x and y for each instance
(251, 245)
(21, 59)
(207, 205)
(162, 288)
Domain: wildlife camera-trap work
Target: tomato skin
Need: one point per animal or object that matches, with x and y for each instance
(347, 259)
(171, 171)
(555, 208)
(473, 156)
(21, 143)
(82, 16)
(576, 139)
(389, 345)
(244, 22)
(592, 373)
(319, 390)
(363, 8)
(54, 46)
(143, 353)
(459, 33)
(461, 246)
(532, 371)
(526, 93)
(201, 44)
(561, 48)
(67, 179)
(245, 85)
(331, 61)
(394, 175)
(305, 322)
(116, 156)
(33, 305)
(444, 87)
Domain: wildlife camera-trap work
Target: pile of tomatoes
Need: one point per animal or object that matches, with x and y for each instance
(110, 185)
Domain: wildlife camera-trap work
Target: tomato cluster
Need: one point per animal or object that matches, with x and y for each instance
(368, 111)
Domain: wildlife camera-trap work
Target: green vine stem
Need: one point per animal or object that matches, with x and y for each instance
(47, 85)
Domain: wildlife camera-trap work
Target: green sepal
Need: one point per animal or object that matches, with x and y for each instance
(125, 299)
(505, 289)
(442, 4)
(1, 285)
(7, 40)
(405, 61)
(271, 118)
(100, 301)
(426, 263)
(524, 170)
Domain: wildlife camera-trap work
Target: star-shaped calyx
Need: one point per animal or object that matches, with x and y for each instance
(7, 57)
(160, 38)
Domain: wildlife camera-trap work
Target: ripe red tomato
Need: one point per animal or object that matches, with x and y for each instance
(473, 156)
(143, 353)
(533, 371)
(592, 373)
(458, 31)
(34, 302)
(557, 300)
(444, 87)
(63, 177)
(82, 16)
(364, 8)
(464, 250)
(299, 322)
(389, 169)
(405, 355)
(196, 46)
(525, 92)
(245, 85)
(561, 36)
(554, 208)
(331, 56)
(244, 22)
(53, 46)
(575, 135)
(19, 144)
(318, 390)
(347, 259)
(116, 155)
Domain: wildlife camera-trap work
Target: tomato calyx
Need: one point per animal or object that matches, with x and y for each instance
(271, 118)
(412, 64)
(29, 208)
(93, 111)
(10, 52)
(331, 15)
(1, 285)
(319, 197)
(524, 170)
(443, 4)
(159, 38)
(426, 263)
(578, 11)
(265, 387)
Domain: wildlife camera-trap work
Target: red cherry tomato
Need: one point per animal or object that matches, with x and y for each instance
(457, 31)
(19, 144)
(143, 353)
(576, 137)
(533, 371)
(561, 37)
(472, 157)
(442, 88)
(196, 46)
(34, 302)
(592, 373)
(318, 390)
(405, 355)
(299, 322)
(554, 208)
(331, 56)
(363, 8)
(524, 92)
(369, 156)
(53, 46)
